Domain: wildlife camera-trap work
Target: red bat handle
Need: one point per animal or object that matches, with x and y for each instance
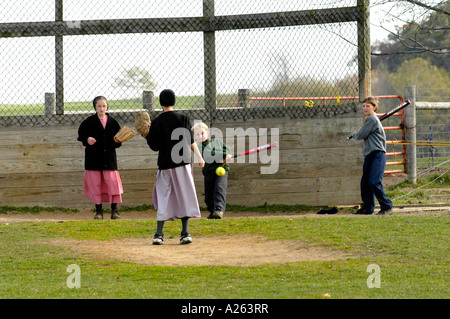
(257, 149)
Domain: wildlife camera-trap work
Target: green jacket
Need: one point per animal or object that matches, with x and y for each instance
(213, 152)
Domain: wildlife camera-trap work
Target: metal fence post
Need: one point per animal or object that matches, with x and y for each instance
(410, 134)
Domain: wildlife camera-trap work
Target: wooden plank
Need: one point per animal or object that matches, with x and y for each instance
(14, 184)
(290, 171)
(57, 158)
(295, 186)
(68, 179)
(48, 151)
(138, 194)
(318, 199)
(189, 24)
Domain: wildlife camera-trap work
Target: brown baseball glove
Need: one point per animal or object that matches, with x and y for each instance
(124, 135)
(142, 123)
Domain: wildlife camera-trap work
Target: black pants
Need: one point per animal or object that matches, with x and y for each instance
(216, 192)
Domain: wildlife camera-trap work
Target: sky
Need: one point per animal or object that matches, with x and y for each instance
(90, 62)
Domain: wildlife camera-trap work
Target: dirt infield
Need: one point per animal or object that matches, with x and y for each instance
(244, 250)
(204, 251)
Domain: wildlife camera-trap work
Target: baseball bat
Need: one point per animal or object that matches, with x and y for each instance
(257, 149)
(390, 113)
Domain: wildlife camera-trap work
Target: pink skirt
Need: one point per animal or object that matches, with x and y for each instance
(103, 186)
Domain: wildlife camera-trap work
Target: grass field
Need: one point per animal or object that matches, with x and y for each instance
(411, 252)
(428, 190)
(183, 102)
(131, 104)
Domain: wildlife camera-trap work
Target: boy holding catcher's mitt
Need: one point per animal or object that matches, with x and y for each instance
(102, 181)
(174, 194)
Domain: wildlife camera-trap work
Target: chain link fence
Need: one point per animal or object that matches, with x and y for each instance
(225, 59)
(433, 127)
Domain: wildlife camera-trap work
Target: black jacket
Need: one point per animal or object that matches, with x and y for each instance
(101, 155)
(160, 139)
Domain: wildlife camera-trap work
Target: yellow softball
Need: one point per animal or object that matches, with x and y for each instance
(220, 171)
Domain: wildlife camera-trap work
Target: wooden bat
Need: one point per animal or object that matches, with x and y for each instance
(390, 113)
(257, 149)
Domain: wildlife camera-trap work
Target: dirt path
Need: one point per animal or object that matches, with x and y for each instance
(87, 214)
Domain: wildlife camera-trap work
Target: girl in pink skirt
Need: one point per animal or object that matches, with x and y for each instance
(102, 181)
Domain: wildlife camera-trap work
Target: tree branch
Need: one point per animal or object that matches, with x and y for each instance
(423, 5)
(422, 48)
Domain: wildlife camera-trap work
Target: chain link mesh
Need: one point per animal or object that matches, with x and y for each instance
(225, 60)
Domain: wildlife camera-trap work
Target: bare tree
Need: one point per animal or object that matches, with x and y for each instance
(422, 25)
(136, 80)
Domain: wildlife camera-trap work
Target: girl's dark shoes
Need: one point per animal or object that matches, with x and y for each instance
(98, 215)
(115, 214)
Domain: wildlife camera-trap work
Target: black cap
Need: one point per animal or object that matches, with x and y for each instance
(167, 98)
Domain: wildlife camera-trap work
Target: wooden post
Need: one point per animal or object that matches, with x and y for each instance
(364, 62)
(410, 134)
(59, 61)
(209, 49)
(49, 103)
(147, 100)
(243, 98)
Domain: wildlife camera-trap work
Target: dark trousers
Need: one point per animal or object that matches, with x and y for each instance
(373, 172)
(216, 192)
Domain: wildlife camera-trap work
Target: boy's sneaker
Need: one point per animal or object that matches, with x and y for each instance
(218, 214)
(362, 211)
(389, 211)
(158, 240)
(185, 239)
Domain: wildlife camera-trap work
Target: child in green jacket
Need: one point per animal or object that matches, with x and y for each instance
(215, 153)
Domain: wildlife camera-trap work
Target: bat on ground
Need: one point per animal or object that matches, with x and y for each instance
(390, 113)
(257, 149)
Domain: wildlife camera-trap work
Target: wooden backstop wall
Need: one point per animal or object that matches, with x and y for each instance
(317, 165)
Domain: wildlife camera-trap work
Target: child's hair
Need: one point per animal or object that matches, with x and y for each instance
(98, 98)
(167, 98)
(199, 125)
(371, 100)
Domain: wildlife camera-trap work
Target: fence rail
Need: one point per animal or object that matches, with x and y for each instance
(433, 134)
